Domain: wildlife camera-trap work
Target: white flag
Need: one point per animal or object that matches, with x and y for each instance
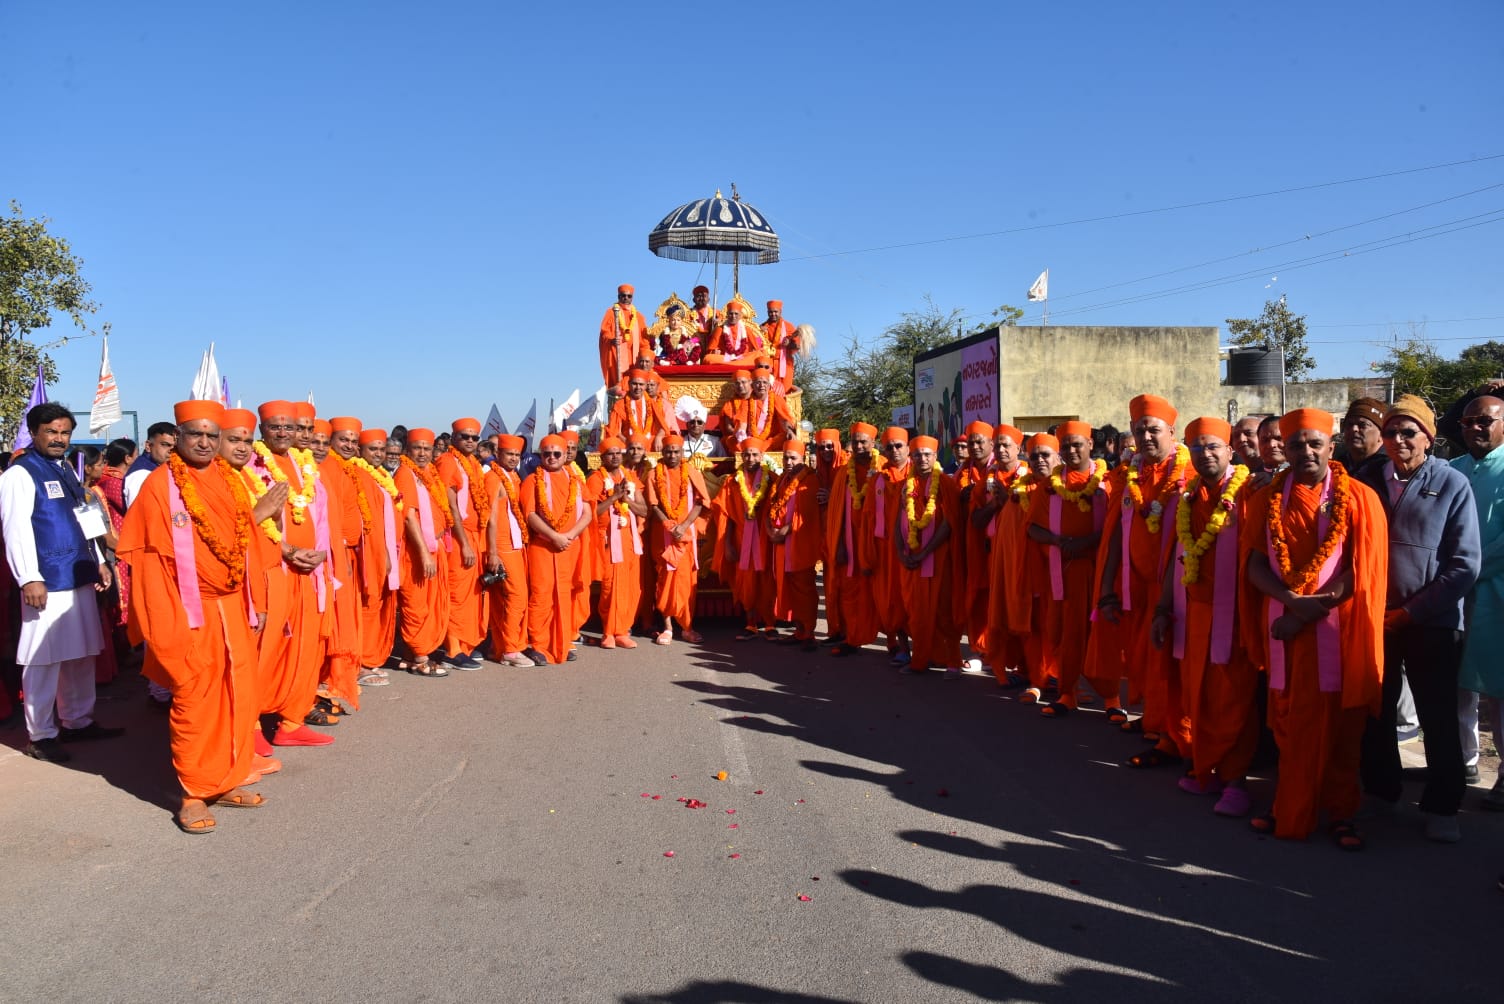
(591, 414)
(562, 412)
(494, 425)
(1041, 288)
(529, 425)
(106, 411)
(206, 385)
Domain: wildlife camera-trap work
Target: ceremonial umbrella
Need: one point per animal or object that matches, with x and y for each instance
(715, 230)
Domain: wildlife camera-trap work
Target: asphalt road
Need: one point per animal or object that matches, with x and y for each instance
(494, 836)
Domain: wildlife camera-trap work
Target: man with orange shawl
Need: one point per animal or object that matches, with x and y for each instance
(887, 581)
(928, 511)
(637, 414)
(793, 528)
(1028, 608)
(506, 552)
(553, 500)
(1315, 545)
(849, 544)
(748, 556)
(340, 673)
(380, 558)
(828, 460)
(1005, 525)
(782, 340)
(465, 484)
(676, 496)
(624, 336)
(972, 543)
(187, 536)
(424, 591)
(618, 503)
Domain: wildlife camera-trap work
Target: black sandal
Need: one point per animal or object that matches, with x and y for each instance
(426, 668)
(1155, 757)
(319, 717)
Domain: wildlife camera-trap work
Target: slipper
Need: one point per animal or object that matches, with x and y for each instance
(1155, 757)
(263, 748)
(301, 736)
(371, 678)
(574, 654)
(1030, 696)
(1345, 833)
(1234, 803)
(237, 798)
(196, 821)
(1117, 715)
(1262, 824)
(625, 641)
(1055, 709)
(265, 764)
(1137, 725)
(426, 668)
(664, 638)
(693, 637)
(1191, 785)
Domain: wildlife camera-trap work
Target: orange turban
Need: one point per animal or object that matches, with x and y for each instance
(1073, 429)
(275, 409)
(828, 436)
(611, 443)
(741, 375)
(925, 443)
(369, 436)
(762, 371)
(979, 429)
(1207, 426)
(345, 424)
(625, 288)
(637, 439)
(895, 433)
(794, 446)
(419, 436)
(1042, 439)
(1012, 432)
(322, 428)
(1149, 406)
(1307, 418)
(238, 418)
(510, 443)
(761, 362)
(302, 409)
(700, 289)
(733, 305)
(863, 429)
(551, 440)
(638, 371)
(465, 425)
(776, 305)
(673, 439)
(753, 443)
(194, 411)
(570, 437)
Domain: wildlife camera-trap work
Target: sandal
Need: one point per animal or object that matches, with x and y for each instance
(1262, 824)
(1155, 757)
(1137, 725)
(1345, 833)
(1055, 709)
(195, 818)
(425, 668)
(748, 633)
(693, 637)
(1030, 696)
(239, 798)
(329, 706)
(1117, 715)
(318, 716)
(371, 678)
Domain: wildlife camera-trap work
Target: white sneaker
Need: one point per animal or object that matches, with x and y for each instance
(1442, 829)
(972, 665)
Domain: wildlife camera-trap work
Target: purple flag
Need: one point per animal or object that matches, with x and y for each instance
(38, 396)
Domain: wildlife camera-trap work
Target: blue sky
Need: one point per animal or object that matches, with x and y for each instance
(417, 210)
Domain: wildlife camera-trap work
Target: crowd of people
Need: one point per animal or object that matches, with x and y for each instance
(1209, 580)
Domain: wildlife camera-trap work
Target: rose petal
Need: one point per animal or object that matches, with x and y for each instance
(803, 898)
(721, 775)
(674, 776)
(646, 795)
(730, 812)
(657, 797)
(799, 801)
(757, 792)
(734, 826)
(668, 854)
(734, 855)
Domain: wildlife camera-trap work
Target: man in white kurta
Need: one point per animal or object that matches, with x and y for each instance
(59, 571)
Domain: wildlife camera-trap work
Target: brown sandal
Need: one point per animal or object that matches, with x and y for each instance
(194, 818)
(239, 798)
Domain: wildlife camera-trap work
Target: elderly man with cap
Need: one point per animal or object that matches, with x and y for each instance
(793, 528)
(465, 484)
(1135, 551)
(849, 545)
(187, 537)
(676, 495)
(1317, 557)
(50, 544)
(782, 340)
(424, 592)
(929, 510)
(1005, 526)
(1197, 618)
(747, 558)
(971, 545)
(697, 442)
(618, 505)
(1067, 519)
(768, 416)
(623, 336)
(289, 661)
(1434, 559)
(637, 414)
(380, 575)
(558, 515)
(1481, 674)
(888, 595)
(506, 555)
(1363, 446)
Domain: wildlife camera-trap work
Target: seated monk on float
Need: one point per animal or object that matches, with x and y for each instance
(735, 340)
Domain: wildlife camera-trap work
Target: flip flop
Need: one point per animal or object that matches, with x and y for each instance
(196, 822)
(1262, 824)
(1345, 833)
(237, 798)
(1117, 715)
(426, 668)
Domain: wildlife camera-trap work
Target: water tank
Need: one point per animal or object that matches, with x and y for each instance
(1254, 367)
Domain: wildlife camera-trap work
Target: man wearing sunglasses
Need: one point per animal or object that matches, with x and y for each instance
(624, 336)
(465, 481)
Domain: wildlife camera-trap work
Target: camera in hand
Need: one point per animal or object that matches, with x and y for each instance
(491, 578)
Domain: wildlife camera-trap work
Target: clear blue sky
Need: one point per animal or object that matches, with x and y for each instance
(415, 210)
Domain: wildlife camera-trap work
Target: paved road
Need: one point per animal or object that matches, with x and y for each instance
(486, 837)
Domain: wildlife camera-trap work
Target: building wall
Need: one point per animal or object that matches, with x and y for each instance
(1239, 401)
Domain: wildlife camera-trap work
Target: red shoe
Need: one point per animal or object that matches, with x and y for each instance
(263, 748)
(301, 736)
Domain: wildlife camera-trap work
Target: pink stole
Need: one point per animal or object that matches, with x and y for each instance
(781, 365)
(1099, 519)
(1328, 635)
(1225, 589)
(751, 556)
(323, 576)
(389, 520)
(626, 352)
(513, 527)
(850, 540)
(548, 492)
(184, 558)
(425, 517)
(613, 530)
(694, 537)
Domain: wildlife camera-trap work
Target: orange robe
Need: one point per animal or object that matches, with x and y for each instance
(346, 527)
(678, 564)
(753, 585)
(825, 476)
(588, 569)
(767, 420)
(735, 344)
(887, 582)
(1004, 648)
(972, 564)
(643, 417)
(927, 589)
(1220, 694)
(618, 553)
(423, 599)
(783, 346)
(380, 573)
(466, 628)
(794, 558)
(1318, 711)
(552, 583)
(210, 668)
(849, 545)
(508, 604)
(624, 337)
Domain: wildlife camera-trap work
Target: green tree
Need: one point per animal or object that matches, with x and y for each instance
(1277, 328)
(1416, 367)
(1005, 315)
(39, 279)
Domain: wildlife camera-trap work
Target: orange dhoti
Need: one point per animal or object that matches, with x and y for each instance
(677, 575)
(464, 629)
(1222, 702)
(424, 603)
(551, 590)
(378, 629)
(342, 656)
(508, 606)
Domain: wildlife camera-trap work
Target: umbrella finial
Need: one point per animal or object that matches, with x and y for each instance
(717, 193)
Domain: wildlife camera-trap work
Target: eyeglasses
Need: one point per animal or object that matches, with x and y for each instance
(1478, 422)
(280, 428)
(552, 453)
(1405, 434)
(467, 436)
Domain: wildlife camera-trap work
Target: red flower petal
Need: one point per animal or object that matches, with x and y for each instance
(668, 854)
(730, 812)
(757, 792)
(657, 797)
(803, 898)
(692, 803)
(733, 826)
(799, 801)
(814, 878)
(734, 855)
(674, 776)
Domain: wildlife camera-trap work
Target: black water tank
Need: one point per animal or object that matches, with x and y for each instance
(1254, 367)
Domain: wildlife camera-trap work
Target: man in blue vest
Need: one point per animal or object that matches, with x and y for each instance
(49, 542)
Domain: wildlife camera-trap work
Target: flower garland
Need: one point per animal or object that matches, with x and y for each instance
(1194, 549)
(565, 515)
(429, 478)
(622, 506)
(645, 428)
(232, 556)
(660, 485)
(1020, 489)
(383, 478)
(858, 496)
(919, 522)
(480, 499)
(1153, 513)
(1083, 497)
(1298, 578)
(255, 488)
(767, 425)
(366, 522)
(514, 499)
(748, 499)
(787, 485)
(308, 473)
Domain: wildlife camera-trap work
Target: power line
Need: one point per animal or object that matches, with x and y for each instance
(1148, 212)
(1424, 320)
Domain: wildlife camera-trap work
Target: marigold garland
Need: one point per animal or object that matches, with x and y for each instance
(1193, 549)
(622, 506)
(917, 523)
(513, 493)
(680, 508)
(787, 485)
(308, 473)
(428, 477)
(748, 499)
(1339, 523)
(232, 556)
(1020, 489)
(366, 522)
(1083, 496)
(565, 515)
(646, 427)
(1153, 512)
(858, 496)
(480, 499)
(383, 478)
(256, 488)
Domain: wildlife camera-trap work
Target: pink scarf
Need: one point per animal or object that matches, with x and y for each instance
(1328, 635)
(1224, 595)
(184, 558)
